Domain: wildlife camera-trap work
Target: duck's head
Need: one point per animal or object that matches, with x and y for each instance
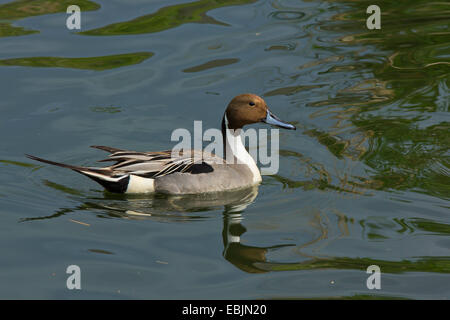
(249, 108)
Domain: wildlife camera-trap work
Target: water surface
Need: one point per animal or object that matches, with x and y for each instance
(364, 180)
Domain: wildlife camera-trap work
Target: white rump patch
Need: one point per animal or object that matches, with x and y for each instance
(140, 185)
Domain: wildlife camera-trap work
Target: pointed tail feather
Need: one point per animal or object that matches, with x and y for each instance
(99, 175)
(107, 149)
(59, 164)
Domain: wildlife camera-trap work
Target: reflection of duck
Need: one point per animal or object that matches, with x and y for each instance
(187, 208)
(240, 255)
(159, 206)
(189, 171)
(247, 258)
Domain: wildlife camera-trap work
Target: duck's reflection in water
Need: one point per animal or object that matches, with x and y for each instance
(188, 208)
(247, 258)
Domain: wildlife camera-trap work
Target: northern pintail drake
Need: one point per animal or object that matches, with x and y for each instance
(146, 172)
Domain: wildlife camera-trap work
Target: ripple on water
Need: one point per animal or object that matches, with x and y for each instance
(287, 15)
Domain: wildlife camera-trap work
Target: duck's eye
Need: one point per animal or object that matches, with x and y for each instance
(251, 103)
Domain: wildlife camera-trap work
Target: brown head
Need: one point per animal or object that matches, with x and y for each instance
(249, 108)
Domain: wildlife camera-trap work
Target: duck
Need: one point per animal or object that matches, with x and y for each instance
(189, 171)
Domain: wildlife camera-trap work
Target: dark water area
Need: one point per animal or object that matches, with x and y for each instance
(364, 180)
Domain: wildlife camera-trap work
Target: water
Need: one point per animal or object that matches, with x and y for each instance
(364, 180)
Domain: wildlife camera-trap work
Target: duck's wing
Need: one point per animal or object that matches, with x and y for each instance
(161, 163)
(146, 164)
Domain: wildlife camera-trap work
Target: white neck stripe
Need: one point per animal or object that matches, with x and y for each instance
(236, 152)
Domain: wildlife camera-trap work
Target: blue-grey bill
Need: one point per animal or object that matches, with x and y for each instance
(275, 121)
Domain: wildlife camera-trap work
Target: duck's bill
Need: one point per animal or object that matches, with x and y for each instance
(275, 121)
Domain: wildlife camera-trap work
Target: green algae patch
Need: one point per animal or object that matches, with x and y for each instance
(28, 8)
(18, 163)
(8, 30)
(211, 64)
(167, 18)
(91, 63)
(21, 9)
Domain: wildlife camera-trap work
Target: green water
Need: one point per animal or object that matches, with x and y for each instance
(363, 181)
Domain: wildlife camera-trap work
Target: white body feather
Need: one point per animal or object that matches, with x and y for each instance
(138, 184)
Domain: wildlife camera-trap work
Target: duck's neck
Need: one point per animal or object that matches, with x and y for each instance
(234, 150)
